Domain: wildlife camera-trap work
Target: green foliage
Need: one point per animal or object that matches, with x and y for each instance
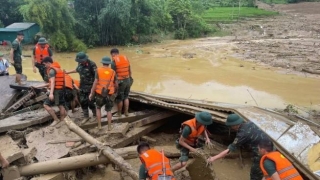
(9, 11)
(1, 24)
(225, 14)
(55, 20)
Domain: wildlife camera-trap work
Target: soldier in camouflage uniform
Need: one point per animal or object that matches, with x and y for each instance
(86, 69)
(247, 134)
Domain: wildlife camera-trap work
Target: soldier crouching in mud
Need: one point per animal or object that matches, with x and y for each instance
(247, 134)
(190, 132)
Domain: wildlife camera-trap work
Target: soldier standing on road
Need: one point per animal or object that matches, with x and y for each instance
(86, 69)
(15, 55)
(40, 51)
(247, 134)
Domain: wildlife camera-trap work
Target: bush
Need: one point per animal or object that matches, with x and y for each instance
(197, 27)
(181, 34)
(77, 45)
(59, 41)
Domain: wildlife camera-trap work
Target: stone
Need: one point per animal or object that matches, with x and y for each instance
(10, 173)
(9, 149)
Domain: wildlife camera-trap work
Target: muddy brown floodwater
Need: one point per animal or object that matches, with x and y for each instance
(203, 69)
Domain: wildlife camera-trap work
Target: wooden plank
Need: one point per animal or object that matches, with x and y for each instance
(8, 95)
(153, 118)
(9, 149)
(25, 120)
(45, 151)
(117, 129)
(133, 117)
(35, 100)
(135, 134)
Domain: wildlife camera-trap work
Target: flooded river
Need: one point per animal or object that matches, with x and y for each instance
(203, 69)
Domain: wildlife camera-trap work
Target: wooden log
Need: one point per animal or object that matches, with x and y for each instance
(153, 118)
(107, 151)
(35, 100)
(75, 162)
(25, 120)
(148, 139)
(63, 141)
(135, 134)
(137, 115)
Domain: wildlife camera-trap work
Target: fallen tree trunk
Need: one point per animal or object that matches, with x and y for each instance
(107, 151)
(75, 162)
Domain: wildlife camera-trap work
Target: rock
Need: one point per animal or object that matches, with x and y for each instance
(9, 149)
(10, 173)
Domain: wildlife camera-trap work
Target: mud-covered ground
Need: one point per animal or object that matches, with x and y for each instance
(290, 40)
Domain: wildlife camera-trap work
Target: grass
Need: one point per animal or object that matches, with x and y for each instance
(275, 1)
(224, 14)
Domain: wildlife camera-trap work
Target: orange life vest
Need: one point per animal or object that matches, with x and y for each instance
(106, 77)
(195, 133)
(284, 167)
(41, 53)
(77, 83)
(122, 66)
(61, 79)
(152, 159)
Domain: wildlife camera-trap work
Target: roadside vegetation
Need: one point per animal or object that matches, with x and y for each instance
(76, 25)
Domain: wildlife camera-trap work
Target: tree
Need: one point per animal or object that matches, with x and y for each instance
(56, 22)
(9, 11)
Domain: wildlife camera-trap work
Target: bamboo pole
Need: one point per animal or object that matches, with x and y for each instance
(107, 151)
(75, 162)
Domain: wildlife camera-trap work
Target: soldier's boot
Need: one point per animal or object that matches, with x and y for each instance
(119, 114)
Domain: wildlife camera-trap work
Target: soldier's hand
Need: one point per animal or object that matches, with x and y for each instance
(51, 97)
(90, 97)
(34, 69)
(211, 159)
(209, 144)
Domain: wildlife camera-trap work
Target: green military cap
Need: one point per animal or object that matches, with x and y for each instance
(106, 60)
(234, 119)
(204, 118)
(42, 41)
(81, 57)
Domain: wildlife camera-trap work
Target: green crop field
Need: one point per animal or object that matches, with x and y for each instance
(226, 14)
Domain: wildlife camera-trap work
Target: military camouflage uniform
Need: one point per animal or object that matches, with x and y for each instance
(17, 52)
(250, 135)
(87, 75)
